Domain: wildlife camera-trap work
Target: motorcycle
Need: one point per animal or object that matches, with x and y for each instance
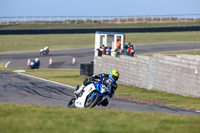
(32, 65)
(44, 51)
(92, 95)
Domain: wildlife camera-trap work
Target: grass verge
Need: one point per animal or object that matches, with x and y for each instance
(189, 52)
(44, 119)
(19, 43)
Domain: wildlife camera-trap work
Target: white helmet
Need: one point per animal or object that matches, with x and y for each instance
(36, 59)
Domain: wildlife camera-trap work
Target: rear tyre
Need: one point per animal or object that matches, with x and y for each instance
(71, 103)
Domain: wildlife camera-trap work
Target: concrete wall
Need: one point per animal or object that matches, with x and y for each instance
(177, 74)
(174, 74)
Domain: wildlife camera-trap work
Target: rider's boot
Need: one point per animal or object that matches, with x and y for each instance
(78, 91)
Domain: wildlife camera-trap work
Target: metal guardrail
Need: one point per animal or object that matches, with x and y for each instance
(98, 19)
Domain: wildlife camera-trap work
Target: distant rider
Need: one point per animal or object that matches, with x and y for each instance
(37, 62)
(109, 81)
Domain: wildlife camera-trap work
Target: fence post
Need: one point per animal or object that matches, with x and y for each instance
(0, 20)
(7, 20)
(127, 19)
(76, 20)
(16, 19)
(177, 18)
(93, 19)
(135, 19)
(194, 17)
(84, 20)
(152, 19)
(161, 18)
(186, 17)
(67, 19)
(101, 19)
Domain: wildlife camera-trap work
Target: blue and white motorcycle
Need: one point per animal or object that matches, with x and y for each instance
(92, 95)
(32, 65)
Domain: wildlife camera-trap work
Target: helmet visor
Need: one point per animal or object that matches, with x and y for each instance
(115, 78)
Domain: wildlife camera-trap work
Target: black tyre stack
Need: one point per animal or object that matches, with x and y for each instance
(86, 69)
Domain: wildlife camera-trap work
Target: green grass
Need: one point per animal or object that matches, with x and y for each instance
(18, 43)
(44, 119)
(47, 26)
(158, 97)
(188, 52)
(15, 43)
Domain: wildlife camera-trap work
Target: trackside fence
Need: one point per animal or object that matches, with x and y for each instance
(12, 20)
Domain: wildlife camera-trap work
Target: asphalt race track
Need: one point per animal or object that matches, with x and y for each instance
(20, 89)
(63, 58)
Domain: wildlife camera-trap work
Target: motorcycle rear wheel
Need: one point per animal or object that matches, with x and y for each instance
(71, 103)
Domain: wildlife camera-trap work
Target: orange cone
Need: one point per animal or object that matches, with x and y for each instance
(50, 61)
(28, 62)
(73, 60)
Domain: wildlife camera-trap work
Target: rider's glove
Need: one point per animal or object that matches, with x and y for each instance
(103, 74)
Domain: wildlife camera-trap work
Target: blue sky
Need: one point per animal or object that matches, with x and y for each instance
(97, 7)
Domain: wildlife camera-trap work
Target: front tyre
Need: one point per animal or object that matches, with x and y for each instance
(71, 103)
(91, 103)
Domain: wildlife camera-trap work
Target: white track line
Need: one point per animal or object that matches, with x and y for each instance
(6, 65)
(45, 80)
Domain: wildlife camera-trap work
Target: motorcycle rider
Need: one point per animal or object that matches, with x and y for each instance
(44, 51)
(108, 79)
(37, 61)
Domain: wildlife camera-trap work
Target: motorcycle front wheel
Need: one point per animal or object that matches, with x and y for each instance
(90, 103)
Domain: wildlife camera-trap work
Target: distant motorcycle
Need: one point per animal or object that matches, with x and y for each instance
(92, 95)
(44, 51)
(34, 64)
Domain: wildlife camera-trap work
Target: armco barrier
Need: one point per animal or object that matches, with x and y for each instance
(93, 30)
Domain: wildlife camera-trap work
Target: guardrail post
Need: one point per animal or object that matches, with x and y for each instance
(92, 19)
(16, 19)
(84, 20)
(194, 17)
(67, 19)
(186, 17)
(76, 20)
(161, 18)
(177, 18)
(7, 20)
